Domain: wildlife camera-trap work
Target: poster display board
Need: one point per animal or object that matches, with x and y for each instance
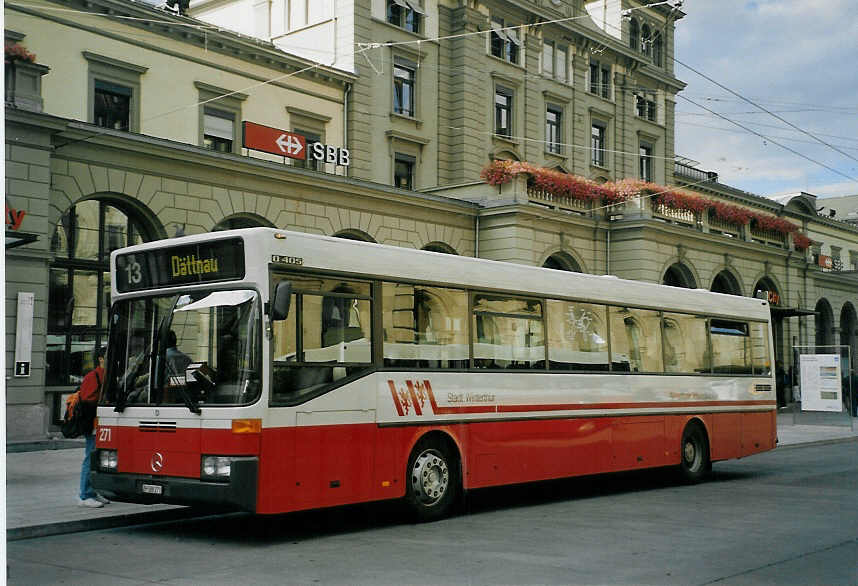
(820, 383)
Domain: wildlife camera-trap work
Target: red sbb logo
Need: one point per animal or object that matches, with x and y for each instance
(258, 137)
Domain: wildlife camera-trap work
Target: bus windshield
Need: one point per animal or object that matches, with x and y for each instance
(195, 349)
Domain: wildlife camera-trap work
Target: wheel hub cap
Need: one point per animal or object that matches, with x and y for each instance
(430, 477)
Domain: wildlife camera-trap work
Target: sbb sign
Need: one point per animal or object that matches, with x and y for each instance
(288, 144)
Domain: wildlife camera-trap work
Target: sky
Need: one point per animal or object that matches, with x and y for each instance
(796, 58)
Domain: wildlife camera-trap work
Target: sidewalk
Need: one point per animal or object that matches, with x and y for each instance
(42, 485)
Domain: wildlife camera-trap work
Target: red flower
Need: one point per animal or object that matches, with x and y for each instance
(801, 242)
(731, 214)
(16, 52)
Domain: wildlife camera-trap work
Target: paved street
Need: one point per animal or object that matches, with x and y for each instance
(785, 517)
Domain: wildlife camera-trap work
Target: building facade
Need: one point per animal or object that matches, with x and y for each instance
(126, 126)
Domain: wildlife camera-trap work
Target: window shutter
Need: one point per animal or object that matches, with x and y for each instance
(216, 124)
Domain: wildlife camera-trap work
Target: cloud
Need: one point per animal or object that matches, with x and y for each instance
(794, 58)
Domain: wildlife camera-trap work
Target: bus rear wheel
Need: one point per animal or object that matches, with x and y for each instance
(694, 465)
(433, 483)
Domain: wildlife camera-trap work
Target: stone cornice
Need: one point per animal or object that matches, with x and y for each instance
(86, 138)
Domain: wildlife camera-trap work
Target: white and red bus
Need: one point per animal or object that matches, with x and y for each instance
(275, 371)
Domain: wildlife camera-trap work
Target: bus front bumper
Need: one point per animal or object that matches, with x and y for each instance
(239, 492)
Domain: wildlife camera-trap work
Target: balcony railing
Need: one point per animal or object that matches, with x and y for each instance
(558, 202)
(729, 229)
(769, 237)
(685, 217)
(694, 173)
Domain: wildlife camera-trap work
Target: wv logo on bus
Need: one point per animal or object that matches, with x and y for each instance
(412, 396)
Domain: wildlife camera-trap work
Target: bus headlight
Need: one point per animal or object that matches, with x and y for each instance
(108, 461)
(215, 467)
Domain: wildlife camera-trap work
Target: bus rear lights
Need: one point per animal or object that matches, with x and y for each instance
(108, 461)
(246, 426)
(216, 467)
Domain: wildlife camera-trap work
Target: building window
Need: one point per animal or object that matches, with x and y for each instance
(646, 40)
(219, 118)
(403, 87)
(645, 151)
(634, 34)
(218, 130)
(553, 129)
(112, 105)
(645, 107)
(403, 171)
(560, 63)
(79, 285)
(309, 162)
(600, 79)
(405, 14)
(597, 142)
(114, 92)
(503, 112)
(554, 60)
(657, 49)
(505, 44)
(548, 58)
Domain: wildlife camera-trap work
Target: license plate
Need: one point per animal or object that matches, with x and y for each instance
(152, 488)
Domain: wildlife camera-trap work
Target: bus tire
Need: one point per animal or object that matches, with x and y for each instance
(694, 462)
(433, 481)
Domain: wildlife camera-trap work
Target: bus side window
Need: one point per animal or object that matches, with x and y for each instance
(685, 344)
(508, 332)
(425, 327)
(731, 347)
(325, 337)
(577, 337)
(760, 349)
(635, 340)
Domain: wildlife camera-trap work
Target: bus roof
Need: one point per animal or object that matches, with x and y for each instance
(370, 260)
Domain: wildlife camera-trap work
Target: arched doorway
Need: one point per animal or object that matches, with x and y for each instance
(79, 281)
(849, 338)
(562, 261)
(766, 289)
(355, 235)
(679, 275)
(726, 282)
(824, 323)
(440, 247)
(244, 220)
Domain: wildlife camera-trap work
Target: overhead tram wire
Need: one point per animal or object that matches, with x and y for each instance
(795, 152)
(769, 112)
(767, 138)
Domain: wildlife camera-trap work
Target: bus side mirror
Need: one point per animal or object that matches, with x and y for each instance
(282, 300)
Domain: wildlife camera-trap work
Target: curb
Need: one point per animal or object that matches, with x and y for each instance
(43, 445)
(63, 527)
(822, 442)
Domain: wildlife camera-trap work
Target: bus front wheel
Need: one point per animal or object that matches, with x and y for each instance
(433, 483)
(694, 463)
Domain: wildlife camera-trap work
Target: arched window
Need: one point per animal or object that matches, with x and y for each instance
(439, 247)
(634, 34)
(242, 221)
(657, 49)
(79, 285)
(678, 275)
(355, 235)
(725, 282)
(646, 40)
(561, 262)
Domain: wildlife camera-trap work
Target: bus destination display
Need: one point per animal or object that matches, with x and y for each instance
(180, 265)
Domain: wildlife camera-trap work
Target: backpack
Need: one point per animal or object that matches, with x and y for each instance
(79, 416)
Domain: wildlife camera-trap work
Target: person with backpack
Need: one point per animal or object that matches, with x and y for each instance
(90, 392)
